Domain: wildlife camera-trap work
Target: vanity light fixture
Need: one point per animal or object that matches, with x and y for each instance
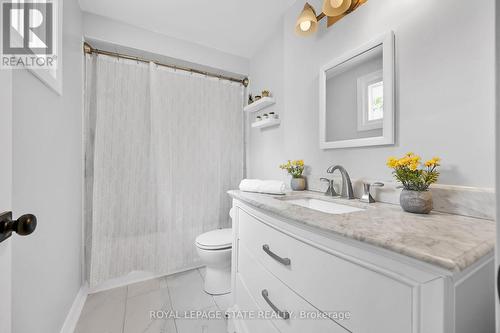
(307, 23)
(334, 10)
(336, 7)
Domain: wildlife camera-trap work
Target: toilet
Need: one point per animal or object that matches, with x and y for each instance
(214, 248)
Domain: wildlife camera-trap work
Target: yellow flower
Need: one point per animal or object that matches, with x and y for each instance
(436, 160)
(404, 161)
(411, 161)
(433, 162)
(299, 162)
(392, 162)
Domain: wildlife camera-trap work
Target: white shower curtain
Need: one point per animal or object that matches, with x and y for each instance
(162, 149)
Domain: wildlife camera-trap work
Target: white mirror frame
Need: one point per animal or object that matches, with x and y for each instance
(53, 78)
(387, 138)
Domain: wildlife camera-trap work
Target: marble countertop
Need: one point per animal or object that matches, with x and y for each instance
(453, 242)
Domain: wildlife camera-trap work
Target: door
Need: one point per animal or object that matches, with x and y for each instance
(5, 195)
(23, 225)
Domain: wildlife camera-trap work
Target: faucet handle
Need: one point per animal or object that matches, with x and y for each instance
(330, 191)
(367, 197)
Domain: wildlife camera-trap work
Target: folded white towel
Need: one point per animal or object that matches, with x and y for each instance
(263, 186)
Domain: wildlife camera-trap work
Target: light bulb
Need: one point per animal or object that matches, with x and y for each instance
(336, 3)
(305, 25)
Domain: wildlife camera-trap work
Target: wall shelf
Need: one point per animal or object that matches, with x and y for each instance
(260, 104)
(266, 123)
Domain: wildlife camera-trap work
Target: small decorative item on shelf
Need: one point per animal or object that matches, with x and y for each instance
(258, 118)
(273, 115)
(415, 197)
(256, 98)
(265, 116)
(295, 169)
(266, 93)
(250, 99)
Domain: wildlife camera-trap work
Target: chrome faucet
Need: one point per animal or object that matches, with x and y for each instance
(331, 190)
(347, 191)
(367, 197)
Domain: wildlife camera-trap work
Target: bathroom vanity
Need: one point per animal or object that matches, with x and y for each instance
(307, 263)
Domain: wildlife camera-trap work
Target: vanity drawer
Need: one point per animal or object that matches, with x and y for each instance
(284, 307)
(328, 282)
(246, 304)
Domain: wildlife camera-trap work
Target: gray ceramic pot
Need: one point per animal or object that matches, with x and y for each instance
(298, 184)
(416, 202)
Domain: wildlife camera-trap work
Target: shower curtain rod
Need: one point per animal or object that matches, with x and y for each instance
(87, 49)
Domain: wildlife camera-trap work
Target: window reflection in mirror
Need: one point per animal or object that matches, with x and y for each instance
(355, 97)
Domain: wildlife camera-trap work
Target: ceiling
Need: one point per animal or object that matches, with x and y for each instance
(238, 27)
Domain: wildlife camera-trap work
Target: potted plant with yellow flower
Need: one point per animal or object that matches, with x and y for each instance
(295, 169)
(415, 179)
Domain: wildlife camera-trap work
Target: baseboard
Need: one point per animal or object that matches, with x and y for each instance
(75, 311)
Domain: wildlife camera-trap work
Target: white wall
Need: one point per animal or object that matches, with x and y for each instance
(47, 166)
(444, 86)
(111, 31)
(264, 147)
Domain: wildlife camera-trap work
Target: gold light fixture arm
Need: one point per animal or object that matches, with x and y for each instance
(308, 11)
(320, 16)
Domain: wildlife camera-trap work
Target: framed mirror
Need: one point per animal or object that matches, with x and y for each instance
(356, 97)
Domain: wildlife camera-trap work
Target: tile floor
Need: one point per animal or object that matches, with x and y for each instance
(127, 309)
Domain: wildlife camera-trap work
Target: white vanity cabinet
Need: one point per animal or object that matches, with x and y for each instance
(293, 274)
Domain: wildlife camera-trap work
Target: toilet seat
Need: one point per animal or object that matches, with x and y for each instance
(219, 239)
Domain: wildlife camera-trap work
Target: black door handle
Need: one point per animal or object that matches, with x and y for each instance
(23, 226)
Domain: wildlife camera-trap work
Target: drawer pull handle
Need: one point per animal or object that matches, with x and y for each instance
(282, 314)
(284, 261)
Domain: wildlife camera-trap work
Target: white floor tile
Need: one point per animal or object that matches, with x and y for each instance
(186, 292)
(138, 313)
(161, 326)
(143, 287)
(103, 312)
(224, 301)
(104, 297)
(202, 325)
(127, 309)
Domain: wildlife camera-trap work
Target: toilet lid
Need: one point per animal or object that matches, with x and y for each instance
(216, 239)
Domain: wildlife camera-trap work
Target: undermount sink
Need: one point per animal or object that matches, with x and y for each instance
(324, 206)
